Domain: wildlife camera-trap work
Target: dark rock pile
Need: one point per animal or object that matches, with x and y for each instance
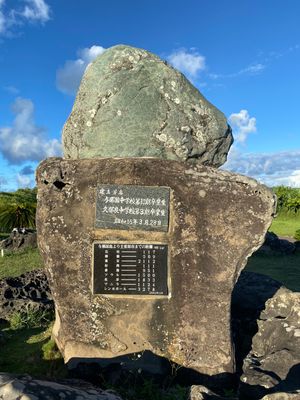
(19, 239)
(273, 364)
(29, 291)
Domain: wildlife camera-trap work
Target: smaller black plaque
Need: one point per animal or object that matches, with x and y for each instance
(132, 207)
(130, 269)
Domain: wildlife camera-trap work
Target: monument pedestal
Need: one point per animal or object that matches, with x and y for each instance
(143, 254)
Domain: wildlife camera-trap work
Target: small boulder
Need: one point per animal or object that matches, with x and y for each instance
(199, 392)
(15, 387)
(283, 396)
(19, 239)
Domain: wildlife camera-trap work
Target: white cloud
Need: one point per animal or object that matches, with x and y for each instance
(281, 168)
(11, 89)
(24, 140)
(242, 125)
(252, 69)
(24, 181)
(2, 18)
(32, 11)
(3, 181)
(188, 62)
(36, 10)
(69, 76)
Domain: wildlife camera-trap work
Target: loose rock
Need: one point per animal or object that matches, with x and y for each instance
(19, 240)
(273, 364)
(16, 387)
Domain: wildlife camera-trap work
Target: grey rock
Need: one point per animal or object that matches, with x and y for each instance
(16, 387)
(283, 396)
(273, 364)
(199, 392)
(133, 104)
(29, 291)
(19, 241)
(249, 296)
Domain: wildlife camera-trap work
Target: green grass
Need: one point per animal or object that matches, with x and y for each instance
(284, 268)
(285, 224)
(31, 351)
(3, 235)
(15, 264)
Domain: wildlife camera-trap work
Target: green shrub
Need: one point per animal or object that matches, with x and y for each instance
(30, 319)
(288, 199)
(297, 234)
(50, 351)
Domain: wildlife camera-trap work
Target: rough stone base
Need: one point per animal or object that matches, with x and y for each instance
(217, 219)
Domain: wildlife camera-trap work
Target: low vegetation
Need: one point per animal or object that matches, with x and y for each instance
(286, 225)
(17, 263)
(287, 221)
(27, 346)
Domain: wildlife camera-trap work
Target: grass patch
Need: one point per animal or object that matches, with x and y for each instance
(283, 268)
(17, 263)
(148, 390)
(3, 235)
(285, 224)
(28, 351)
(30, 319)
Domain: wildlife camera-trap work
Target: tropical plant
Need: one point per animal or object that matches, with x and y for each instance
(17, 215)
(17, 209)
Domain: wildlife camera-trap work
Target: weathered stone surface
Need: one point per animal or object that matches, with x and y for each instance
(198, 392)
(29, 291)
(273, 364)
(217, 219)
(23, 387)
(249, 296)
(133, 104)
(283, 396)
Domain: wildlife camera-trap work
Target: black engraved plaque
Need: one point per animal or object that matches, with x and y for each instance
(132, 207)
(130, 269)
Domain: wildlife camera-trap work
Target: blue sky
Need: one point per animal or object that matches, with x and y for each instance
(244, 57)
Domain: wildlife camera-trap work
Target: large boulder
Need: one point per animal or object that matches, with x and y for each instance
(29, 291)
(133, 104)
(273, 364)
(216, 220)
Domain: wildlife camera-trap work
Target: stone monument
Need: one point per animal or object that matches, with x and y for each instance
(142, 241)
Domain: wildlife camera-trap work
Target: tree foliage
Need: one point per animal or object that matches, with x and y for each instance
(288, 199)
(17, 209)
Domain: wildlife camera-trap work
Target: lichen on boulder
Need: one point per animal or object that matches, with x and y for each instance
(133, 104)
